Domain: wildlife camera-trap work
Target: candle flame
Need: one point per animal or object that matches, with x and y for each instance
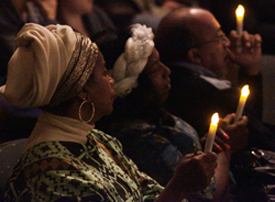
(245, 91)
(215, 119)
(240, 11)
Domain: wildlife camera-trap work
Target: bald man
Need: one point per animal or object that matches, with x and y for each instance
(192, 43)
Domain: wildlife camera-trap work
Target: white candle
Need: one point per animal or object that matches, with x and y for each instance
(211, 133)
(244, 94)
(239, 18)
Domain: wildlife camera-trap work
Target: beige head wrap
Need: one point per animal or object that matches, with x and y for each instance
(49, 66)
(132, 62)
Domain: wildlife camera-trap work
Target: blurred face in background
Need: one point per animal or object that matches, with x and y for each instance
(81, 7)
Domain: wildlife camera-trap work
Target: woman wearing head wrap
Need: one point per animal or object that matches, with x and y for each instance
(66, 159)
(151, 136)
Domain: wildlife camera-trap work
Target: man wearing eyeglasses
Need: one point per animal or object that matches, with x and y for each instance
(191, 42)
(200, 56)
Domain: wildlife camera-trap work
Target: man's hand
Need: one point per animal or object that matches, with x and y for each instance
(250, 55)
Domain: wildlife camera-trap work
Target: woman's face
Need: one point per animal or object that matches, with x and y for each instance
(99, 89)
(159, 75)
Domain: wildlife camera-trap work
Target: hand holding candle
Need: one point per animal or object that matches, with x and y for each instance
(212, 133)
(239, 17)
(244, 94)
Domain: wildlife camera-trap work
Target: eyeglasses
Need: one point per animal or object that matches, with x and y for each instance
(221, 37)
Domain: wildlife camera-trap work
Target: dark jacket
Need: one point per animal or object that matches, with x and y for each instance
(195, 100)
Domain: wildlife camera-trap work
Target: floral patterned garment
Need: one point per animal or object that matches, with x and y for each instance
(69, 171)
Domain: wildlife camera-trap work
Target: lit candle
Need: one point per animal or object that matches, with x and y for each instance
(244, 94)
(239, 17)
(211, 133)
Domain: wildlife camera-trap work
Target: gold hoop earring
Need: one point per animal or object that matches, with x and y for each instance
(80, 109)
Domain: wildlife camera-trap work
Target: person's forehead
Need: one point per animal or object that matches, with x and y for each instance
(153, 59)
(210, 28)
(99, 66)
(154, 55)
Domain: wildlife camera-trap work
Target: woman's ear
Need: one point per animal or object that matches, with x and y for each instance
(83, 95)
(194, 56)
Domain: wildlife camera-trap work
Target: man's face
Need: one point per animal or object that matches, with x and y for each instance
(213, 47)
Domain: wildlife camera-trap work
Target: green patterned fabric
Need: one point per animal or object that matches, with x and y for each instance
(68, 171)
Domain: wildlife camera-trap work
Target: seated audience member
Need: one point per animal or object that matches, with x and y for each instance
(13, 15)
(157, 10)
(155, 139)
(193, 45)
(91, 20)
(81, 15)
(123, 11)
(66, 159)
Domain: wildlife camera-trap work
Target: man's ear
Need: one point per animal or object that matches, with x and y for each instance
(194, 56)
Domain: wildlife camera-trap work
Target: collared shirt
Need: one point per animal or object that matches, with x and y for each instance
(207, 75)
